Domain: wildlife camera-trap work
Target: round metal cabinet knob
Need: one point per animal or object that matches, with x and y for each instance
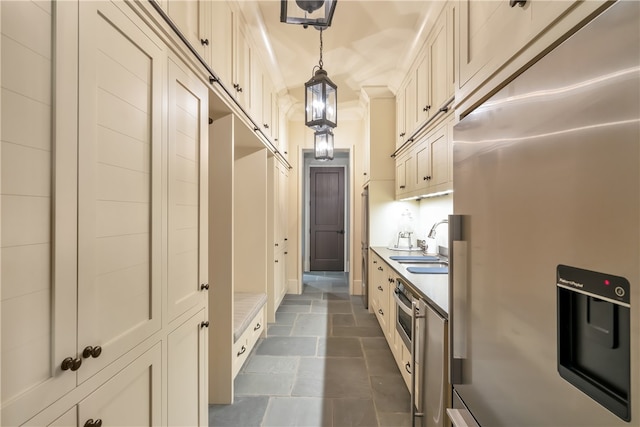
(92, 352)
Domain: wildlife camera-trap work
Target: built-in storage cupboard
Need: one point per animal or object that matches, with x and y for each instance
(429, 83)
(497, 38)
(104, 233)
(423, 118)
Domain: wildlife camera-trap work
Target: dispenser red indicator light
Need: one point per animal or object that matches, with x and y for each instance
(606, 282)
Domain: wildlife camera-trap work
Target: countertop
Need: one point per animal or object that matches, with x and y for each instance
(434, 288)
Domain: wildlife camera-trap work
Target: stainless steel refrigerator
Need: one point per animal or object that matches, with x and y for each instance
(545, 239)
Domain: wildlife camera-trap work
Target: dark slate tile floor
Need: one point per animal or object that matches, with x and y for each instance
(325, 362)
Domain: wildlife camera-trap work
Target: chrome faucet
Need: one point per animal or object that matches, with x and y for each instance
(432, 233)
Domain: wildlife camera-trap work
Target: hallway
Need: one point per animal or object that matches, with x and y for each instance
(325, 362)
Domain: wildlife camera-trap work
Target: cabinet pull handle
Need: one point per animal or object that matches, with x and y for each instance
(380, 288)
(276, 260)
(402, 187)
(424, 178)
(91, 423)
(402, 134)
(204, 324)
(71, 364)
(266, 126)
(520, 3)
(286, 253)
(426, 108)
(391, 280)
(276, 245)
(205, 42)
(407, 367)
(380, 268)
(212, 80)
(242, 350)
(375, 262)
(94, 352)
(258, 326)
(204, 287)
(381, 312)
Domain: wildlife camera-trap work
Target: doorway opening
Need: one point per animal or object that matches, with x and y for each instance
(326, 212)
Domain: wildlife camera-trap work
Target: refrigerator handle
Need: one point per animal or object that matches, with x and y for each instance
(458, 308)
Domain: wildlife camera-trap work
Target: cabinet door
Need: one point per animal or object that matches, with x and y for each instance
(423, 164)
(191, 17)
(489, 29)
(220, 43)
(401, 176)
(401, 132)
(410, 105)
(439, 82)
(423, 96)
(440, 161)
(38, 176)
(241, 64)
(131, 398)
(187, 189)
(187, 373)
(119, 182)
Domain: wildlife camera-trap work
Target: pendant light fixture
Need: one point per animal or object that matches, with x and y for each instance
(320, 98)
(317, 13)
(323, 144)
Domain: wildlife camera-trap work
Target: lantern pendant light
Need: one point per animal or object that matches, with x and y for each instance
(317, 13)
(320, 98)
(323, 144)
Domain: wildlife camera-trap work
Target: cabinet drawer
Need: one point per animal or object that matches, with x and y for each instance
(247, 341)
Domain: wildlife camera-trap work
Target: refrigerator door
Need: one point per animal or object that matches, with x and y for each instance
(546, 174)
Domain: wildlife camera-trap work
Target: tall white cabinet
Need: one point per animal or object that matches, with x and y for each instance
(104, 207)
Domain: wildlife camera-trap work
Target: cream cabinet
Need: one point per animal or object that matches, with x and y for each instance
(405, 173)
(429, 83)
(425, 168)
(220, 44)
(131, 397)
(187, 366)
(241, 64)
(381, 285)
(193, 19)
(277, 243)
(496, 39)
(100, 210)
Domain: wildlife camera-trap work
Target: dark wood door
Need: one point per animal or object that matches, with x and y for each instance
(327, 219)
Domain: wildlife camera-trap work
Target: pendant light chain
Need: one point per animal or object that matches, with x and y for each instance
(320, 63)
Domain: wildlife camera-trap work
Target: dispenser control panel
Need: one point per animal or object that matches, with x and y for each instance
(604, 286)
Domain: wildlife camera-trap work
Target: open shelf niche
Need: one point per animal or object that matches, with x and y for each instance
(238, 181)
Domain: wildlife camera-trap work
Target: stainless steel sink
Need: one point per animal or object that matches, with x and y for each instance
(416, 259)
(429, 268)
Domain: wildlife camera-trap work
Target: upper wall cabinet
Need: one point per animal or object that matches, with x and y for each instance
(220, 43)
(496, 39)
(429, 84)
(193, 19)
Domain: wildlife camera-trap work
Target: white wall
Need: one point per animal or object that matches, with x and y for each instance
(433, 210)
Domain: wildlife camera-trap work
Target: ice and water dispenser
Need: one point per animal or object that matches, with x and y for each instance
(594, 354)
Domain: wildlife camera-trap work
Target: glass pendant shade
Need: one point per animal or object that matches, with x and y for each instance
(317, 13)
(323, 144)
(321, 102)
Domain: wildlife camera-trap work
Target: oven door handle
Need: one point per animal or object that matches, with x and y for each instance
(401, 304)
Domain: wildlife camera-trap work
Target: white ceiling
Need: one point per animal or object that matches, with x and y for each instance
(370, 43)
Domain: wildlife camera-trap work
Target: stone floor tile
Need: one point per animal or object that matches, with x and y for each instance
(288, 346)
(316, 325)
(283, 318)
(343, 320)
(394, 419)
(246, 411)
(339, 347)
(279, 331)
(357, 331)
(390, 393)
(271, 365)
(354, 412)
(249, 384)
(298, 411)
